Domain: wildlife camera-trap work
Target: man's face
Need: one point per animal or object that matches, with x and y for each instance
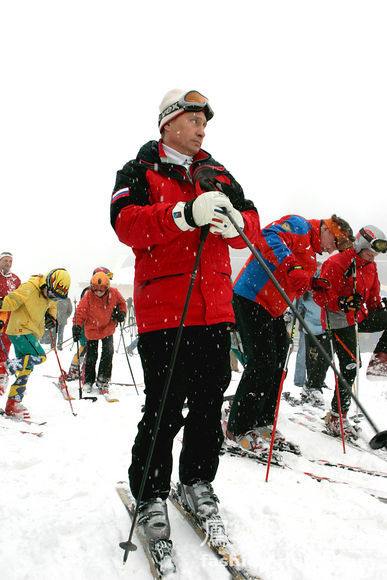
(6, 264)
(186, 132)
(368, 255)
(328, 242)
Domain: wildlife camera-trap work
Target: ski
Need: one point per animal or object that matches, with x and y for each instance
(27, 421)
(126, 384)
(212, 533)
(63, 391)
(373, 492)
(262, 458)
(238, 452)
(158, 553)
(355, 468)
(36, 433)
(109, 399)
(311, 422)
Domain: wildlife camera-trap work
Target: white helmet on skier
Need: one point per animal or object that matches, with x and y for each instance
(370, 238)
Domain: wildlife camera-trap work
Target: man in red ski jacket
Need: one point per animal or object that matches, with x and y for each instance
(354, 295)
(289, 247)
(160, 202)
(8, 283)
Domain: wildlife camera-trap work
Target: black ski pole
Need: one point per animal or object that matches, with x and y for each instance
(380, 438)
(129, 545)
(127, 357)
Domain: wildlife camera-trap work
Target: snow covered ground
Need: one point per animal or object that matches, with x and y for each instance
(61, 517)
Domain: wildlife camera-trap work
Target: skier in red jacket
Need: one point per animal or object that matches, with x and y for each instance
(159, 204)
(289, 247)
(99, 311)
(354, 294)
(8, 283)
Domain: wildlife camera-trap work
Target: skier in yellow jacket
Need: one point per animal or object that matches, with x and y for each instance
(32, 309)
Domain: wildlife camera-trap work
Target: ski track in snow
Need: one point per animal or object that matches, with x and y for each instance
(61, 517)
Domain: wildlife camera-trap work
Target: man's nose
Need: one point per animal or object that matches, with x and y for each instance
(200, 131)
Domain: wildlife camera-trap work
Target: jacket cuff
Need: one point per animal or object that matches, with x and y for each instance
(188, 214)
(178, 214)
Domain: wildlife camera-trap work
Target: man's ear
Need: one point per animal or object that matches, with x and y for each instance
(166, 129)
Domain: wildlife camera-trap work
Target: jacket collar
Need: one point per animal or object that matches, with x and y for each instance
(153, 155)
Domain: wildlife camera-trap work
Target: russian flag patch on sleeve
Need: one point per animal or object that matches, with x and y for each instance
(123, 192)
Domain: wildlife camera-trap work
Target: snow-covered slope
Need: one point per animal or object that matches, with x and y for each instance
(62, 519)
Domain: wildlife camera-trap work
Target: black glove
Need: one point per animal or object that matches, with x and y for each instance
(350, 303)
(320, 284)
(50, 322)
(118, 315)
(77, 331)
(383, 304)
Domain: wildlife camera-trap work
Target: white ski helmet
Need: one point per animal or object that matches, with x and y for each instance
(370, 238)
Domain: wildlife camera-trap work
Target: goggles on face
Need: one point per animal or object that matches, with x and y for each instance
(191, 101)
(52, 295)
(378, 245)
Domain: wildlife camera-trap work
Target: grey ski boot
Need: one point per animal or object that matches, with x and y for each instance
(153, 519)
(153, 523)
(200, 499)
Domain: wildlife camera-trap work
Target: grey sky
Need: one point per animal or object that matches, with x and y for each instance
(299, 92)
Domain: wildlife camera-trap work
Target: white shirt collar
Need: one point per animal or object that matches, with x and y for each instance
(176, 157)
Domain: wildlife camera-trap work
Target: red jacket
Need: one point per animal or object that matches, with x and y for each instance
(146, 191)
(8, 284)
(96, 313)
(337, 269)
(290, 241)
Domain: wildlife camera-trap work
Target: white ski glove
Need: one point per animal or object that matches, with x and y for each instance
(201, 211)
(204, 206)
(224, 227)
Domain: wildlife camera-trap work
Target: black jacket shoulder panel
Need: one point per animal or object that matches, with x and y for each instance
(131, 188)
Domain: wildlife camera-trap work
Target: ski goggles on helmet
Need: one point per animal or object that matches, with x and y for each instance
(191, 101)
(377, 245)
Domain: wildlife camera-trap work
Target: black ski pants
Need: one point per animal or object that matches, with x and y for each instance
(202, 373)
(265, 343)
(344, 344)
(105, 364)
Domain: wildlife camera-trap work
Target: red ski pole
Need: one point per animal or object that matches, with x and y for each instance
(62, 373)
(283, 377)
